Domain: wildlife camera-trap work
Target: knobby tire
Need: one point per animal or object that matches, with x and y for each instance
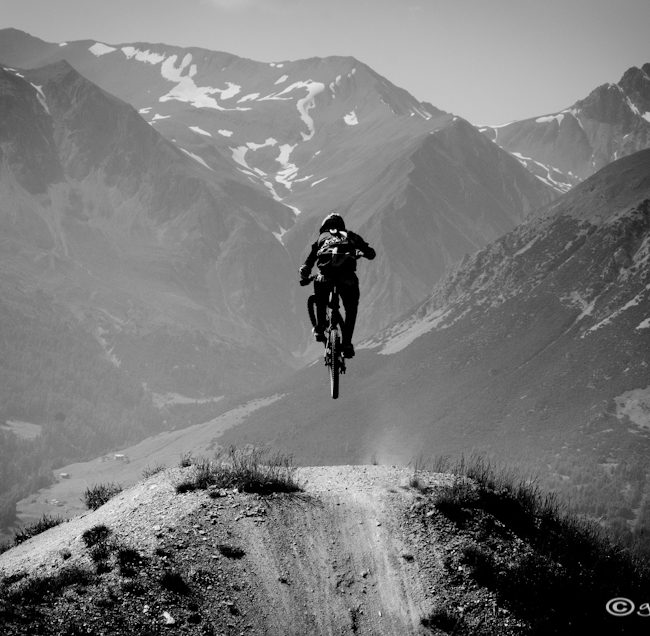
(334, 366)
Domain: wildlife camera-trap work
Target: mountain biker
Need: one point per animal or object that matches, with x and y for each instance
(334, 253)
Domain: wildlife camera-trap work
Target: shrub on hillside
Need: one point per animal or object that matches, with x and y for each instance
(202, 477)
(44, 523)
(150, 471)
(230, 551)
(563, 566)
(258, 470)
(128, 559)
(173, 581)
(186, 460)
(97, 534)
(97, 495)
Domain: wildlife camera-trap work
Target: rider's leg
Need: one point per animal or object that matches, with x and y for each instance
(321, 291)
(349, 292)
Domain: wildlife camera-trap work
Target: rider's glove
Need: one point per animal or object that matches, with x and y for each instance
(370, 253)
(304, 275)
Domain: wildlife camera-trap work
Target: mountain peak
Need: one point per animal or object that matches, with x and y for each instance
(636, 79)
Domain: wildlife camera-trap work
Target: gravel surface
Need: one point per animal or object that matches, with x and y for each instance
(359, 551)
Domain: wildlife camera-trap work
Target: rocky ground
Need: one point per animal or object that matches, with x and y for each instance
(361, 550)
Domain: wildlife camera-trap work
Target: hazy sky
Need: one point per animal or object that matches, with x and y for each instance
(490, 61)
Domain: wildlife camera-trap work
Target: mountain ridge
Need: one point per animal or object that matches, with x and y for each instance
(322, 138)
(574, 143)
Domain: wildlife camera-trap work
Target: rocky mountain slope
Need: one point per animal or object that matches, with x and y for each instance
(121, 228)
(361, 550)
(317, 135)
(534, 349)
(566, 147)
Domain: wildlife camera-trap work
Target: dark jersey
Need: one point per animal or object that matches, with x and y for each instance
(333, 253)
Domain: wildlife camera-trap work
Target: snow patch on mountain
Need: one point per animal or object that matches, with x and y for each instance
(40, 95)
(634, 405)
(147, 56)
(317, 182)
(335, 83)
(575, 113)
(644, 325)
(196, 158)
(286, 175)
(145, 111)
(280, 235)
(609, 319)
(281, 79)
(526, 247)
(200, 131)
(426, 115)
(632, 106)
(535, 167)
(98, 49)
(576, 299)
(270, 141)
(548, 118)
(239, 156)
(289, 170)
(158, 117)
(351, 119)
(186, 89)
(248, 98)
(271, 188)
(225, 133)
(304, 105)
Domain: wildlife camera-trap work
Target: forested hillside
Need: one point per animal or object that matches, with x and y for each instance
(54, 374)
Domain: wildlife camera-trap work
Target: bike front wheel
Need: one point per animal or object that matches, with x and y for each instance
(335, 348)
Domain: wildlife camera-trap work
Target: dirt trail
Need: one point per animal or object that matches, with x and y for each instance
(335, 559)
(340, 556)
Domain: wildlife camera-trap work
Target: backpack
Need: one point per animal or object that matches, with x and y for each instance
(335, 253)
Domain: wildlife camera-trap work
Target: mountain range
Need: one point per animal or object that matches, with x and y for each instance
(315, 135)
(158, 201)
(564, 148)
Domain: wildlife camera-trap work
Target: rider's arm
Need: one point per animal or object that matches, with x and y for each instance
(364, 248)
(310, 261)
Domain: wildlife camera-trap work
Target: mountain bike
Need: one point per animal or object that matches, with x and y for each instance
(333, 356)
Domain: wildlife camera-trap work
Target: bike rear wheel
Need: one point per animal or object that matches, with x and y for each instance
(335, 347)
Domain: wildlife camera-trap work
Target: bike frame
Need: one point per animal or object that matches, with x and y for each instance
(333, 356)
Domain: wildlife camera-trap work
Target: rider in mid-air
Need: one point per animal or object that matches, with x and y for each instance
(334, 254)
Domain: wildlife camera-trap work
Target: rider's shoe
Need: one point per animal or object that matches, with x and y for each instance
(348, 350)
(318, 334)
